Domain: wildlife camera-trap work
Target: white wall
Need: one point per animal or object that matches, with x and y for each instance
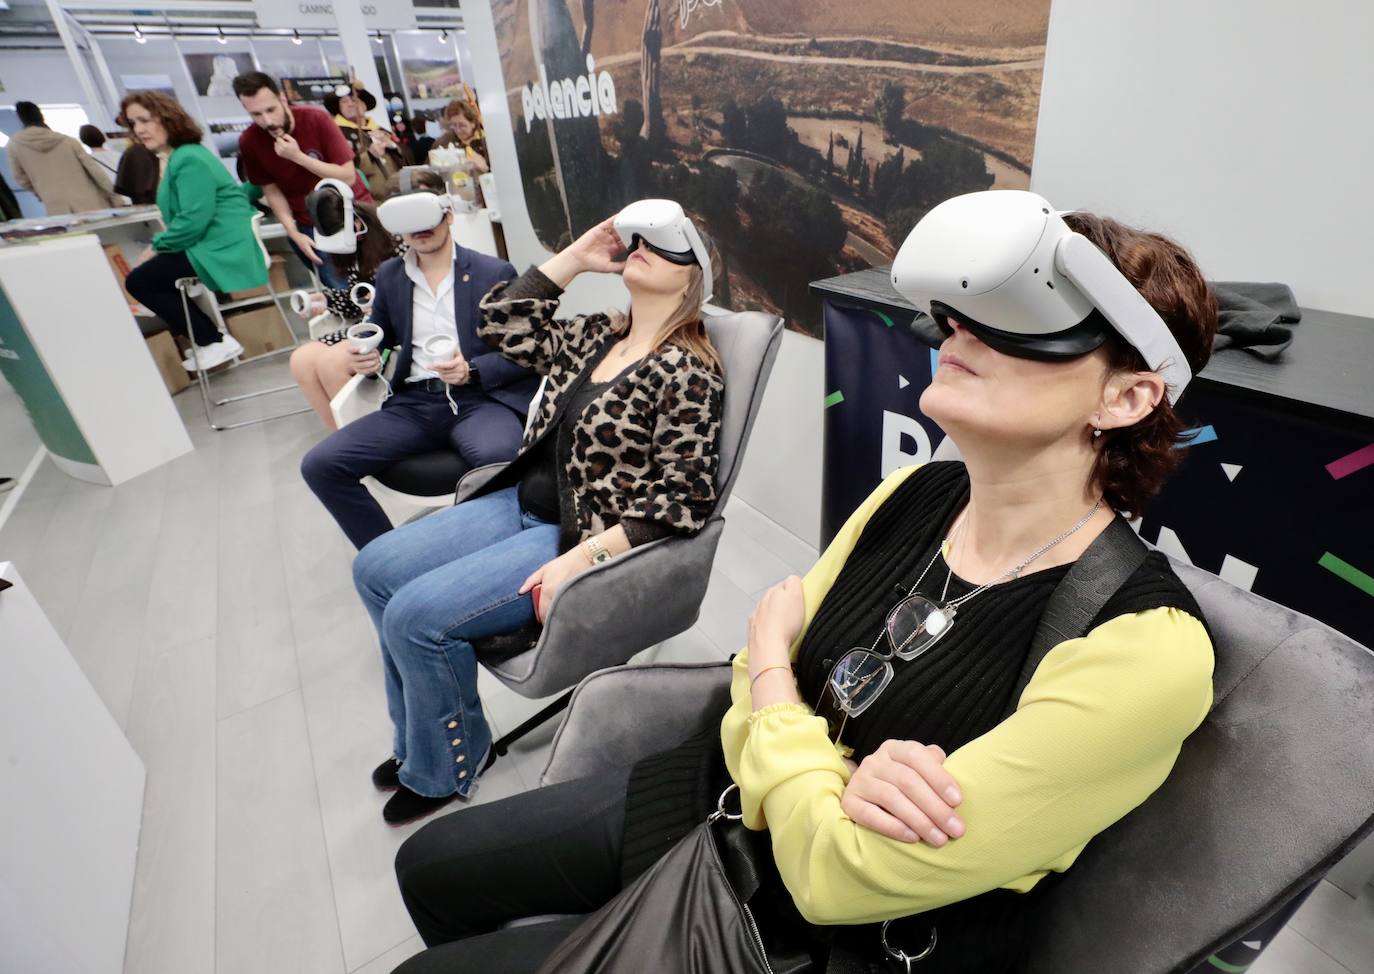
(1243, 127)
(44, 76)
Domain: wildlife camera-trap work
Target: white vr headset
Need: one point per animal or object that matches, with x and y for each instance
(414, 213)
(667, 231)
(343, 239)
(1009, 269)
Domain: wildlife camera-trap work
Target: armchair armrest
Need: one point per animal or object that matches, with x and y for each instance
(360, 395)
(608, 613)
(355, 400)
(619, 715)
(474, 480)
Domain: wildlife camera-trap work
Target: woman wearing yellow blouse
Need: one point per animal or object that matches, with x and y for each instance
(869, 819)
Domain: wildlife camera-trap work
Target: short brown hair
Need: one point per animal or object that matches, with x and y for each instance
(181, 128)
(252, 82)
(460, 106)
(422, 180)
(1134, 461)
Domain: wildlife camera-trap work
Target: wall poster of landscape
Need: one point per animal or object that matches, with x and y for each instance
(805, 138)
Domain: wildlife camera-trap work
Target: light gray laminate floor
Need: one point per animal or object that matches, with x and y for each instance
(210, 604)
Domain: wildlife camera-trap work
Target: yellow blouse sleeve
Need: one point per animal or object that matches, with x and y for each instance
(734, 728)
(1096, 731)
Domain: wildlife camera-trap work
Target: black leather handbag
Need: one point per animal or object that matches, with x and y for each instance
(697, 910)
(688, 914)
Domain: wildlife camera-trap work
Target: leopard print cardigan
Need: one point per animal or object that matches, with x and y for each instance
(644, 453)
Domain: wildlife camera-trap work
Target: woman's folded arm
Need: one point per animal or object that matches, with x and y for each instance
(1097, 731)
(734, 728)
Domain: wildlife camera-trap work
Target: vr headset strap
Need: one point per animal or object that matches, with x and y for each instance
(1093, 579)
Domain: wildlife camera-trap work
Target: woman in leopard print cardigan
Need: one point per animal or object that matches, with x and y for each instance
(623, 450)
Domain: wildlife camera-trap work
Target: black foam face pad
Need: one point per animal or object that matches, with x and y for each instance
(673, 256)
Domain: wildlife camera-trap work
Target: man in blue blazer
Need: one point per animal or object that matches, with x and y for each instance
(474, 401)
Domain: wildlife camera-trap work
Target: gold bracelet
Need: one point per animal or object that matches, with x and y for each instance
(765, 670)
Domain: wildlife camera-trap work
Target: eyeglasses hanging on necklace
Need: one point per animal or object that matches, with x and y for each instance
(914, 625)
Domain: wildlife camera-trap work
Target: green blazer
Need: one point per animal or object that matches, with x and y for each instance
(209, 217)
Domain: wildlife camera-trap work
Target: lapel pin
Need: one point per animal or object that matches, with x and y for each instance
(466, 278)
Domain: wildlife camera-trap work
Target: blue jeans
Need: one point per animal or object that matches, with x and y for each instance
(328, 274)
(430, 587)
(411, 422)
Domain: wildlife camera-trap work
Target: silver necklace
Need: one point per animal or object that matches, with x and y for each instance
(939, 619)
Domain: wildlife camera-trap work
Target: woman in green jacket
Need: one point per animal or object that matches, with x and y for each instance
(209, 225)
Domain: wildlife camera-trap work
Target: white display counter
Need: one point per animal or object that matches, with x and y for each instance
(72, 804)
(72, 350)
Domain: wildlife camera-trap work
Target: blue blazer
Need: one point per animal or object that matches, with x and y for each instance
(474, 274)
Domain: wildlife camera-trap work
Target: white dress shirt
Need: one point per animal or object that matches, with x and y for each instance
(431, 314)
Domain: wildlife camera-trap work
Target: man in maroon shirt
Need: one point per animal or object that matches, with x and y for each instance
(286, 152)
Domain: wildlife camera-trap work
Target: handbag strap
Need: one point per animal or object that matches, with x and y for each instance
(1084, 591)
(1093, 579)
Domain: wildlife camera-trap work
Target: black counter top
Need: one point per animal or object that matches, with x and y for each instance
(1329, 365)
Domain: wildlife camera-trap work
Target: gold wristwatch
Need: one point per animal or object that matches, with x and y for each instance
(596, 551)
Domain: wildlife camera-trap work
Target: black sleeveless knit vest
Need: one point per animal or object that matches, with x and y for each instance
(955, 692)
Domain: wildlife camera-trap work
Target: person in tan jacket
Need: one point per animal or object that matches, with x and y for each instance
(56, 167)
(377, 153)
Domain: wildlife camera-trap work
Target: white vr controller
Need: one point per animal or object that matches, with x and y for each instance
(440, 348)
(360, 294)
(364, 337)
(300, 302)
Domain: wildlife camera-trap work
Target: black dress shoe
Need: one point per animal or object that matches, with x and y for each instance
(405, 806)
(387, 777)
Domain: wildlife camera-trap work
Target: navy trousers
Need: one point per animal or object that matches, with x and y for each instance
(411, 422)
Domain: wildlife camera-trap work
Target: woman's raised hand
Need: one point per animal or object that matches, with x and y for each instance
(597, 249)
(594, 251)
(903, 791)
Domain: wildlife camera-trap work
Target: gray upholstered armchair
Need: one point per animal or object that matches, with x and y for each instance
(1267, 794)
(653, 592)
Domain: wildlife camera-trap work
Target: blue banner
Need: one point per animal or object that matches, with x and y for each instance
(875, 372)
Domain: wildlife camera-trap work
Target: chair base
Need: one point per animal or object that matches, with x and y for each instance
(203, 381)
(185, 285)
(501, 746)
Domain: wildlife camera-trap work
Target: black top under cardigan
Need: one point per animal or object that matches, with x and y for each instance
(957, 691)
(643, 454)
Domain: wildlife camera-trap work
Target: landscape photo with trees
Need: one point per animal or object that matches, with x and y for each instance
(804, 138)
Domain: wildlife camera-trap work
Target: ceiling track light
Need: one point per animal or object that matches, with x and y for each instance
(377, 37)
(295, 37)
(139, 35)
(443, 36)
(222, 39)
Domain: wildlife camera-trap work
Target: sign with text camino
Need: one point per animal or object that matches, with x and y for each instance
(377, 14)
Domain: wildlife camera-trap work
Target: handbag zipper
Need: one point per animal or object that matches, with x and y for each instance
(753, 927)
(754, 933)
